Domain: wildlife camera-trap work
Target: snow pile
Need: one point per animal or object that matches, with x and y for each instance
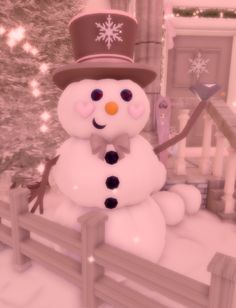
(189, 248)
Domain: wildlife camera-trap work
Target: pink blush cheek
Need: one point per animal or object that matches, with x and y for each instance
(136, 110)
(84, 108)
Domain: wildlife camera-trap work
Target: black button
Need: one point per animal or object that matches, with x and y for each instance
(112, 182)
(111, 157)
(110, 203)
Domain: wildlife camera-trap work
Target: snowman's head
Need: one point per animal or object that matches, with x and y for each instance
(105, 107)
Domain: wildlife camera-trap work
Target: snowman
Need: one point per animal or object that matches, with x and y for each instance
(106, 164)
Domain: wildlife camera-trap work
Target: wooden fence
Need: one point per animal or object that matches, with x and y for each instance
(97, 256)
(215, 166)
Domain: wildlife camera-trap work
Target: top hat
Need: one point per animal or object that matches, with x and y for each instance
(103, 45)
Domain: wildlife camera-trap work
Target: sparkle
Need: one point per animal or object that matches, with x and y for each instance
(43, 128)
(91, 259)
(45, 116)
(27, 47)
(11, 43)
(109, 32)
(43, 68)
(198, 65)
(36, 92)
(2, 30)
(16, 34)
(34, 83)
(34, 51)
(136, 239)
(40, 168)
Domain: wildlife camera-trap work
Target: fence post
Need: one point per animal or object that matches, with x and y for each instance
(18, 206)
(92, 235)
(180, 163)
(206, 145)
(218, 162)
(223, 281)
(230, 177)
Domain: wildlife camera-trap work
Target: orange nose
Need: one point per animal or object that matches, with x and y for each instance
(111, 108)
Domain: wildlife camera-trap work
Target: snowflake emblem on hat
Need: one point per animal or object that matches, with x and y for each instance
(198, 65)
(109, 32)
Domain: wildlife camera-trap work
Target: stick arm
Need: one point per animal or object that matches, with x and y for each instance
(201, 106)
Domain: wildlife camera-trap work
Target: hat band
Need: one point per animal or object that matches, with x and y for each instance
(105, 58)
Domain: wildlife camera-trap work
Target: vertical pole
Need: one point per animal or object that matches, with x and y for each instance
(122, 5)
(230, 177)
(223, 282)
(2, 245)
(180, 164)
(149, 45)
(19, 206)
(206, 145)
(218, 162)
(93, 234)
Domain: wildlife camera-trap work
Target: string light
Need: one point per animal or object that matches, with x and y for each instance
(34, 84)
(45, 116)
(36, 92)
(204, 12)
(27, 47)
(40, 168)
(43, 68)
(34, 51)
(2, 30)
(11, 43)
(43, 128)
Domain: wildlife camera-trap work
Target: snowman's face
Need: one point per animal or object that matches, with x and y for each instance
(105, 107)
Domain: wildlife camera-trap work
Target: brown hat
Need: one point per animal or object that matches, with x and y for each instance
(103, 45)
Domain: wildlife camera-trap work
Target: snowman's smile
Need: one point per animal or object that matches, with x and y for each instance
(96, 125)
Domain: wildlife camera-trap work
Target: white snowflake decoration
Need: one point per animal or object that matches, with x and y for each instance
(198, 65)
(109, 32)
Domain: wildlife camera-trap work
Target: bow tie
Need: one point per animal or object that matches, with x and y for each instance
(120, 143)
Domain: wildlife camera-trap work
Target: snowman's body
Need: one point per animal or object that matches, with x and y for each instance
(139, 174)
(137, 221)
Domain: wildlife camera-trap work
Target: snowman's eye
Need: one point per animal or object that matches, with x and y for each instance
(96, 94)
(126, 95)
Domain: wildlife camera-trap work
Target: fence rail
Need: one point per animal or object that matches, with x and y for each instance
(97, 256)
(219, 115)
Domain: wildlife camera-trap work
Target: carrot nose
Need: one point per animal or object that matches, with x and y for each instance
(111, 108)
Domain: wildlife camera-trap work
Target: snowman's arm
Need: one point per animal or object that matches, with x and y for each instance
(38, 190)
(202, 105)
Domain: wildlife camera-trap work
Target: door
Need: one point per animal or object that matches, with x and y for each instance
(194, 59)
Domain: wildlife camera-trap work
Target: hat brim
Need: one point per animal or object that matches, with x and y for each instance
(139, 73)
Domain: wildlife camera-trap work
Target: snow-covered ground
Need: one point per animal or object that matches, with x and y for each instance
(189, 248)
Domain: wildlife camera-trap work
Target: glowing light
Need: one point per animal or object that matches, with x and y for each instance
(75, 187)
(36, 92)
(45, 116)
(168, 16)
(2, 30)
(43, 68)
(91, 259)
(136, 239)
(27, 47)
(11, 43)
(34, 84)
(40, 168)
(234, 104)
(16, 34)
(43, 128)
(114, 191)
(221, 14)
(34, 51)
